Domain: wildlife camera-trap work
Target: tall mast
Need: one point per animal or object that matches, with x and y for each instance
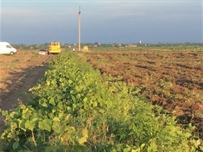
(79, 28)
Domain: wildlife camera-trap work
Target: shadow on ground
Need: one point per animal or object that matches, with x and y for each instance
(15, 86)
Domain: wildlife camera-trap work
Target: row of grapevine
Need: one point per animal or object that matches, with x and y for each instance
(74, 108)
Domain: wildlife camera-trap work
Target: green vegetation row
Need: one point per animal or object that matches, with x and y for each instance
(74, 108)
(119, 46)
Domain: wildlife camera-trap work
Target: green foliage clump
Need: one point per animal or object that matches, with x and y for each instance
(75, 109)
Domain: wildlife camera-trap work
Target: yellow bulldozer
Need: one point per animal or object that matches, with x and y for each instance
(85, 48)
(54, 47)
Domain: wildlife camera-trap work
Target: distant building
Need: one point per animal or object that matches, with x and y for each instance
(132, 45)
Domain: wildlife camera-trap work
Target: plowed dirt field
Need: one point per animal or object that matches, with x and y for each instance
(173, 80)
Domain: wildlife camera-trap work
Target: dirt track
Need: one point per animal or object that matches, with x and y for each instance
(15, 80)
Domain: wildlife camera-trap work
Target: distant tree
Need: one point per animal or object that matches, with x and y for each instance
(96, 43)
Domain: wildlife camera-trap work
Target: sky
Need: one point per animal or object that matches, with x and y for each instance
(103, 21)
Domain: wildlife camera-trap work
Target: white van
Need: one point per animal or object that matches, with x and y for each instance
(6, 48)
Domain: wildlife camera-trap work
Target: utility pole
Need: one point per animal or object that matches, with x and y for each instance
(79, 28)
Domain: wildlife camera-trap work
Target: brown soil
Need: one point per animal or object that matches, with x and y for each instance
(18, 73)
(173, 80)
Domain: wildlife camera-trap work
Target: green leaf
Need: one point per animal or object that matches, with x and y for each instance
(85, 132)
(56, 126)
(153, 146)
(45, 124)
(94, 104)
(70, 81)
(60, 105)
(15, 145)
(21, 123)
(67, 117)
(43, 102)
(13, 125)
(4, 112)
(13, 114)
(53, 81)
(139, 149)
(85, 100)
(48, 83)
(56, 119)
(29, 124)
(52, 101)
(83, 139)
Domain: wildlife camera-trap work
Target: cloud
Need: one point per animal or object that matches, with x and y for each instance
(150, 7)
(141, 11)
(35, 16)
(13, 16)
(123, 19)
(18, 12)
